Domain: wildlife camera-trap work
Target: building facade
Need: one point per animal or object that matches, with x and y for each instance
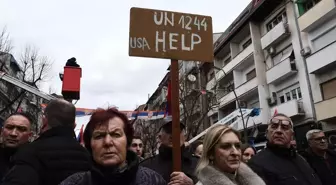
(260, 58)
(317, 22)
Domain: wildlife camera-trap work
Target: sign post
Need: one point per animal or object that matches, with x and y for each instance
(175, 36)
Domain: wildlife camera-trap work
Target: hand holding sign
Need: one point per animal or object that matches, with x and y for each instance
(176, 36)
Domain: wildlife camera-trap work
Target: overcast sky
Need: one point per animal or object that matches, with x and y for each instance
(96, 33)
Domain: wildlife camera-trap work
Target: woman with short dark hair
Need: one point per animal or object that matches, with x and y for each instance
(107, 137)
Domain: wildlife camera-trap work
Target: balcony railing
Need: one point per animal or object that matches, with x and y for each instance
(322, 58)
(317, 15)
(240, 90)
(290, 108)
(235, 61)
(281, 71)
(275, 35)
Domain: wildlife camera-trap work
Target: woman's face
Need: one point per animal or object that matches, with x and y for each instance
(199, 150)
(109, 143)
(228, 153)
(248, 154)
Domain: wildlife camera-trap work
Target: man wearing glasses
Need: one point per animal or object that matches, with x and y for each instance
(279, 164)
(320, 158)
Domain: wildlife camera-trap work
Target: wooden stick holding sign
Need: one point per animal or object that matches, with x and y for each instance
(175, 36)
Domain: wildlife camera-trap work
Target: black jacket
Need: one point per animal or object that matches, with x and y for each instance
(132, 174)
(54, 156)
(5, 156)
(325, 168)
(283, 166)
(163, 163)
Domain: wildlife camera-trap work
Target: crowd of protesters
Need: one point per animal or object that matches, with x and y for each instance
(113, 155)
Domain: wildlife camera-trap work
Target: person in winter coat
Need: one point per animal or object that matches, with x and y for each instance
(107, 137)
(320, 158)
(16, 131)
(55, 155)
(279, 163)
(220, 163)
(163, 162)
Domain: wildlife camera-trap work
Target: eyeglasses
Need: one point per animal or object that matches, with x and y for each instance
(319, 139)
(284, 124)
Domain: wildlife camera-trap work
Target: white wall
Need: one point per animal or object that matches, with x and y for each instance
(318, 79)
(322, 35)
(299, 60)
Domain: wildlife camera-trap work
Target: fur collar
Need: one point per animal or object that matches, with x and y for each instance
(245, 176)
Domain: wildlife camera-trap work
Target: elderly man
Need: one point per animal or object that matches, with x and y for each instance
(279, 164)
(16, 131)
(320, 158)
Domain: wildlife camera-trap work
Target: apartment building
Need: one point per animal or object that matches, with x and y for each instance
(259, 60)
(317, 23)
(157, 101)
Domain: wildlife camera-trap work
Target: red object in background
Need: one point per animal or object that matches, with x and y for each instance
(71, 83)
(168, 107)
(275, 112)
(81, 133)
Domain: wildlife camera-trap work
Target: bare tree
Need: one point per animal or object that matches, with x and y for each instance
(148, 131)
(5, 41)
(193, 112)
(34, 69)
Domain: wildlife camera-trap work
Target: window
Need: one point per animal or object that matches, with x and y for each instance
(247, 43)
(305, 5)
(250, 75)
(328, 89)
(288, 96)
(276, 20)
(292, 93)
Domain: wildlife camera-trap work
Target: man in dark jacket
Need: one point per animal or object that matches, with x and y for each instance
(279, 164)
(55, 155)
(320, 158)
(16, 131)
(163, 162)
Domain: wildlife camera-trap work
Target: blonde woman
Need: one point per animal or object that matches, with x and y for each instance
(220, 163)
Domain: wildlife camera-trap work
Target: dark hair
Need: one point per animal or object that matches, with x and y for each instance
(59, 112)
(102, 116)
(137, 137)
(246, 146)
(167, 127)
(23, 114)
(194, 146)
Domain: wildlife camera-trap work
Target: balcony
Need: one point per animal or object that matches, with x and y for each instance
(275, 35)
(247, 52)
(325, 109)
(289, 108)
(317, 15)
(241, 90)
(281, 71)
(252, 121)
(322, 59)
(211, 84)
